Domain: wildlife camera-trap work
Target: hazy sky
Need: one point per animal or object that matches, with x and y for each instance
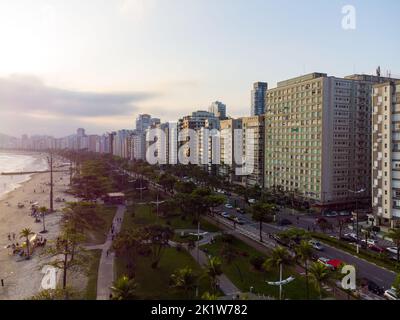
(98, 63)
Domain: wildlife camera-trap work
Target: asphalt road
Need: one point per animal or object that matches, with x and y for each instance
(365, 269)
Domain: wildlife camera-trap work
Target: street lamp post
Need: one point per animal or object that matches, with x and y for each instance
(356, 193)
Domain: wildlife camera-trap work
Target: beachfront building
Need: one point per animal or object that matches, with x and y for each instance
(318, 137)
(258, 98)
(218, 109)
(253, 148)
(228, 143)
(386, 154)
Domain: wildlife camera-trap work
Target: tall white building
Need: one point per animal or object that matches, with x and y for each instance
(386, 154)
(218, 109)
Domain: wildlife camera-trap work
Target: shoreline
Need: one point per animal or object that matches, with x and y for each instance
(22, 278)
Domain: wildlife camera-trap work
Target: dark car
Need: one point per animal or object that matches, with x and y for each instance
(376, 248)
(372, 287)
(348, 239)
(284, 222)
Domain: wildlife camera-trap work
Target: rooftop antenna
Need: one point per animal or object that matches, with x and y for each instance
(378, 71)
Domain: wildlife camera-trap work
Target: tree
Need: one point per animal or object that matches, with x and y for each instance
(54, 294)
(167, 182)
(158, 237)
(127, 244)
(43, 211)
(341, 223)
(67, 254)
(209, 296)
(304, 253)
(229, 254)
(324, 225)
(394, 234)
(319, 275)
(280, 257)
(215, 201)
(214, 270)
(262, 212)
(25, 234)
(185, 280)
(124, 289)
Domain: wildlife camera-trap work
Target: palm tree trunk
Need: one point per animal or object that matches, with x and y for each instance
(261, 239)
(307, 282)
(27, 247)
(65, 271)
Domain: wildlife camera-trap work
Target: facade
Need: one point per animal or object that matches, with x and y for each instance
(258, 98)
(386, 154)
(218, 109)
(318, 133)
(253, 148)
(227, 147)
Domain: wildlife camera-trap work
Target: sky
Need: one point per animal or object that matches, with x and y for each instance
(97, 64)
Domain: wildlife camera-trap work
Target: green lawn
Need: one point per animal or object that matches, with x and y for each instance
(91, 287)
(154, 283)
(145, 215)
(99, 236)
(243, 275)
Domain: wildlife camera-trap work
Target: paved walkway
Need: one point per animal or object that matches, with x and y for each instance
(106, 273)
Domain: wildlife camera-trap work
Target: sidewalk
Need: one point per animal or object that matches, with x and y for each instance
(106, 273)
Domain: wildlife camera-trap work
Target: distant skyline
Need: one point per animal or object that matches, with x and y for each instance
(97, 64)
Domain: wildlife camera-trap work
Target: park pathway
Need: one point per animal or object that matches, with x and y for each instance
(226, 285)
(106, 272)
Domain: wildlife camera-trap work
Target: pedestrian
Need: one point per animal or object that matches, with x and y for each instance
(9, 237)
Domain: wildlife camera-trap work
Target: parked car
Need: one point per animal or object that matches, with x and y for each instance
(240, 210)
(370, 242)
(284, 222)
(228, 206)
(392, 250)
(317, 245)
(351, 235)
(391, 294)
(252, 201)
(372, 287)
(376, 248)
(344, 213)
(348, 239)
(225, 215)
(330, 214)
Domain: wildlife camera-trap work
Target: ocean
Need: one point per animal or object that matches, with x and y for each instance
(10, 162)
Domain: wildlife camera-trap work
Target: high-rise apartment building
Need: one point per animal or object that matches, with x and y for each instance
(386, 154)
(218, 109)
(318, 137)
(258, 98)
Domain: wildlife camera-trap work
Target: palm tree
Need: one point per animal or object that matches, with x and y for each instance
(262, 212)
(43, 211)
(214, 270)
(304, 253)
(184, 279)
(280, 257)
(319, 275)
(124, 289)
(394, 234)
(26, 233)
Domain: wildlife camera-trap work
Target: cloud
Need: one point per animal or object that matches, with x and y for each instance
(30, 95)
(136, 9)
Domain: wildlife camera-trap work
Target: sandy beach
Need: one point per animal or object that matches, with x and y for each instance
(22, 278)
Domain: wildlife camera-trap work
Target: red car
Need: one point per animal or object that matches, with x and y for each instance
(376, 248)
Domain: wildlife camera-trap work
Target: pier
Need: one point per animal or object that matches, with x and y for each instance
(20, 173)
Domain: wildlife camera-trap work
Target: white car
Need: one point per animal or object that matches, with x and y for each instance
(252, 201)
(351, 235)
(392, 250)
(225, 215)
(391, 294)
(370, 242)
(228, 206)
(316, 245)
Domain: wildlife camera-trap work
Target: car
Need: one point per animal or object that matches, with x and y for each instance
(351, 235)
(392, 250)
(391, 294)
(332, 264)
(330, 214)
(228, 206)
(252, 201)
(284, 222)
(376, 248)
(344, 213)
(317, 245)
(370, 242)
(348, 239)
(240, 210)
(325, 262)
(372, 287)
(225, 215)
